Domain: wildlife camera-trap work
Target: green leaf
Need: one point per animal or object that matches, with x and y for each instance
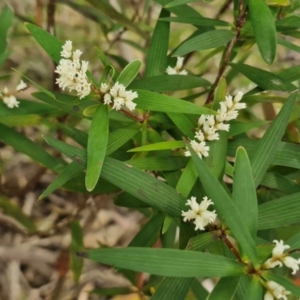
(6, 20)
(294, 241)
(264, 79)
(217, 149)
(159, 146)
(47, 41)
(143, 186)
(163, 103)
(268, 145)
(237, 128)
(156, 163)
(71, 171)
(204, 41)
(202, 241)
(26, 108)
(244, 191)
(24, 145)
(149, 233)
(156, 63)
(169, 83)
(225, 208)
(126, 200)
(64, 102)
(286, 283)
(196, 21)
(279, 212)
(119, 137)
(172, 288)
(263, 24)
(179, 2)
(129, 72)
(4, 56)
(15, 212)
(76, 245)
(279, 182)
(290, 22)
(183, 124)
(187, 179)
(288, 45)
(224, 289)
(167, 262)
(96, 148)
(286, 153)
(254, 290)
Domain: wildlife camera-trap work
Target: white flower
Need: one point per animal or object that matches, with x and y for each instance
(275, 290)
(200, 148)
(229, 108)
(11, 101)
(21, 86)
(279, 258)
(107, 99)
(9, 98)
(199, 213)
(104, 88)
(72, 71)
(176, 70)
(120, 96)
(67, 50)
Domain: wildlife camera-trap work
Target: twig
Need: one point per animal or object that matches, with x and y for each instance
(240, 21)
(223, 8)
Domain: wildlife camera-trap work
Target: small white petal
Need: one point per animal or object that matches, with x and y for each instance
(11, 101)
(171, 71)
(238, 96)
(292, 263)
(279, 248)
(179, 62)
(21, 86)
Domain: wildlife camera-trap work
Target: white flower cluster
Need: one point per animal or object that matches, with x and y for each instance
(9, 98)
(72, 71)
(118, 96)
(199, 213)
(279, 258)
(176, 70)
(209, 125)
(275, 291)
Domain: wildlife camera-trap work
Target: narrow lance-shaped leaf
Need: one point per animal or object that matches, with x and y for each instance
(48, 42)
(71, 171)
(225, 208)
(158, 102)
(244, 191)
(167, 262)
(268, 145)
(6, 19)
(96, 148)
(217, 149)
(156, 63)
(167, 83)
(224, 289)
(76, 245)
(265, 79)
(172, 288)
(254, 289)
(15, 212)
(279, 212)
(204, 41)
(263, 24)
(129, 72)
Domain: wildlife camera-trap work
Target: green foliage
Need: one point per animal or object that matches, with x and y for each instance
(145, 154)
